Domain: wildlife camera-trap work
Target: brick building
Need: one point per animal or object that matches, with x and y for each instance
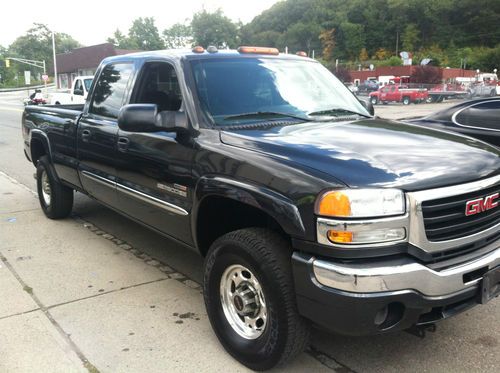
(83, 61)
(446, 74)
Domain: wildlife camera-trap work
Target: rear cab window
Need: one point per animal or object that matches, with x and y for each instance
(111, 88)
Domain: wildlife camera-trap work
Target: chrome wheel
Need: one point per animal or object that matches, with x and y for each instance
(243, 302)
(46, 191)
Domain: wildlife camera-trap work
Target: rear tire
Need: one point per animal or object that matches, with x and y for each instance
(254, 265)
(56, 200)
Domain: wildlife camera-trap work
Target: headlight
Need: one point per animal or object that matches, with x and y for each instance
(361, 203)
(361, 217)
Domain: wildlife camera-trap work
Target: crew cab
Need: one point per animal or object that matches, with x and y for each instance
(76, 95)
(306, 207)
(398, 93)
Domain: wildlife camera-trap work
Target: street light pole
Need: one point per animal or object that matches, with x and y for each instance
(55, 62)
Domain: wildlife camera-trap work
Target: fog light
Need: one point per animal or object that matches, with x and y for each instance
(381, 316)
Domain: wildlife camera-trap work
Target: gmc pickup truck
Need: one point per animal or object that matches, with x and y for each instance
(308, 209)
(398, 93)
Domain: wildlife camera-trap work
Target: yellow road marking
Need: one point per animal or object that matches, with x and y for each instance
(10, 109)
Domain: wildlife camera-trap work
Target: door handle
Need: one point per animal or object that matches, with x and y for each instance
(86, 135)
(123, 144)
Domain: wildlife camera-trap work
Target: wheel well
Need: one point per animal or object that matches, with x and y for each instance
(218, 216)
(37, 150)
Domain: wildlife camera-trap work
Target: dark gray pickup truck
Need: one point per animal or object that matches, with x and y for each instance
(306, 207)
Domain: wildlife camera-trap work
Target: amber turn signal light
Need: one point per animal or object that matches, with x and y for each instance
(340, 236)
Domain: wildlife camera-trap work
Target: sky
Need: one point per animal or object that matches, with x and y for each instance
(93, 21)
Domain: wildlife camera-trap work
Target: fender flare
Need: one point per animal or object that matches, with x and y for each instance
(276, 205)
(39, 135)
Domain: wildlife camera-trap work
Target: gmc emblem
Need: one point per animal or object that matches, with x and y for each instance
(479, 205)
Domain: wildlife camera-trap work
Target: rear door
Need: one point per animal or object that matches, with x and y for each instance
(98, 132)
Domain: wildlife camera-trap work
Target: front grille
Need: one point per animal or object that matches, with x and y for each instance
(445, 219)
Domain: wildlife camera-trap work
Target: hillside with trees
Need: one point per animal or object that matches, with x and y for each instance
(355, 31)
(454, 33)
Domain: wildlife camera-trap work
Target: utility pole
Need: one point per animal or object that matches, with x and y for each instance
(397, 42)
(55, 62)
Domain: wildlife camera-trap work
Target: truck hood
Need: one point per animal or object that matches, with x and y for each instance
(374, 152)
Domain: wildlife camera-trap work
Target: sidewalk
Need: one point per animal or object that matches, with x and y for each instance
(76, 299)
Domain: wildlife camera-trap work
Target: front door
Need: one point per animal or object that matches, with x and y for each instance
(154, 181)
(98, 132)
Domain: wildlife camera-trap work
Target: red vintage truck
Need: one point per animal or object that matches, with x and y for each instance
(399, 93)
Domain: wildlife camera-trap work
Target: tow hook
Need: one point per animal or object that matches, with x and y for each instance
(421, 330)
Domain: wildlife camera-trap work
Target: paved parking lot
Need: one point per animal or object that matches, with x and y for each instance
(99, 293)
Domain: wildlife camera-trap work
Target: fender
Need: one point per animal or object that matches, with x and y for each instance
(41, 136)
(279, 207)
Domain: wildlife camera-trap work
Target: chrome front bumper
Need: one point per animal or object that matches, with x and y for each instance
(371, 278)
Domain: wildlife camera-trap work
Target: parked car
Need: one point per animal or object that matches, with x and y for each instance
(76, 95)
(398, 93)
(478, 118)
(483, 89)
(307, 208)
(368, 86)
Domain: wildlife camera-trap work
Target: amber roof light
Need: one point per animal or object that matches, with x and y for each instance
(258, 50)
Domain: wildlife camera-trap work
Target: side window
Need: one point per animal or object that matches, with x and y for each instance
(110, 90)
(78, 90)
(483, 115)
(393, 89)
(159, 85)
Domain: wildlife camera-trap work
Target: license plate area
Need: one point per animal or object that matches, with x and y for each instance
(490, 285)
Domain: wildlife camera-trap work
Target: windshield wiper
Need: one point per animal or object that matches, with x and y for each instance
(336, 112)
(264, 115)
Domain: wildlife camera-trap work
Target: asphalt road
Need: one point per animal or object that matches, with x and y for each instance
(469, 342)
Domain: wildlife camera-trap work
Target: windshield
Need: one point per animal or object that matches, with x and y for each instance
(246, 90)
(88, 83)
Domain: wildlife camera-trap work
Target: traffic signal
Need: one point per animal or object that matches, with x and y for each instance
(7, 62)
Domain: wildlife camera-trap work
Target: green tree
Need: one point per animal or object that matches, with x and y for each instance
(36, 44)
(410, 37)
(214, 29)
(354, 39)
(178, 36)
(144, 35)
(121, 41)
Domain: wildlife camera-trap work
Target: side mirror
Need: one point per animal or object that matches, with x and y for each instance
(145, 118)
(368, 106)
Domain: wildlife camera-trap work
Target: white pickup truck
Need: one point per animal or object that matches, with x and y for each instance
(76, 95)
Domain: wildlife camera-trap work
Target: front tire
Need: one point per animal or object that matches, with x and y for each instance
(250, 299)
(56, 200)
(406, 101)
(374, 100)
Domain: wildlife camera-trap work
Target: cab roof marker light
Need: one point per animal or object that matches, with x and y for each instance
(212, 49)
(301, 54)
(258, 50)
(198, 49)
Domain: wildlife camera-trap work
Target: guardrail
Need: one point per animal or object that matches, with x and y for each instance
(26, 88)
